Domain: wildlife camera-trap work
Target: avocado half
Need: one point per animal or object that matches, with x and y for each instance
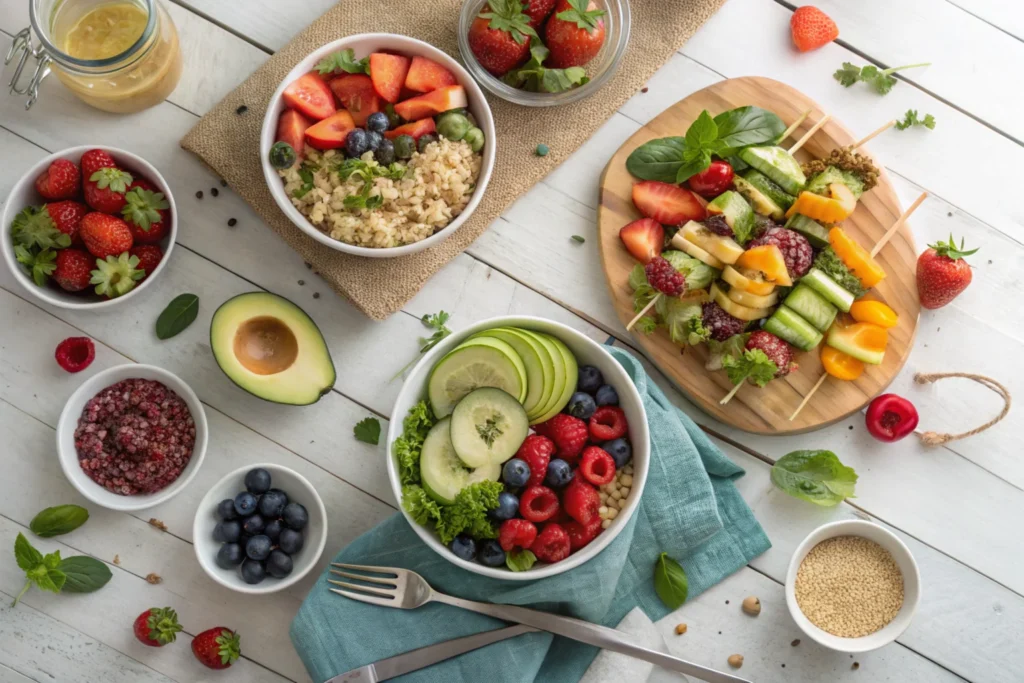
(271, 348)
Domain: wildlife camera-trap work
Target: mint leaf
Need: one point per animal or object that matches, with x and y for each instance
(670, 582)
(816, 476)
(520, 560)
(28, 558)
(84, 574)
(178, 315)
(367, 430)
(41, 570)
(57, 520)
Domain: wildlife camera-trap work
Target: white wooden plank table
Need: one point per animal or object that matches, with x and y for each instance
(959, 508)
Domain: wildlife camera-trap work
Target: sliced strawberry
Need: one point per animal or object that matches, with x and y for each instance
(331, 132)
(432, 103)
(291, 128)
(644, 238)
(667, 203)
(426, 75)
(415, 129)
(311, 96)
(388, 74)
(357, 94)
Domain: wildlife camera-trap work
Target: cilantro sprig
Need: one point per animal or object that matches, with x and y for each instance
(343, 60)
(367, 172)
(881, 80)
(437, 322)
(367, 430)
(911, 119)
(753, 365)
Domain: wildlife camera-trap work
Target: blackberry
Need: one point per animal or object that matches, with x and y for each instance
(717, 224)
(795, 248)
(664, 278)
(721, 324)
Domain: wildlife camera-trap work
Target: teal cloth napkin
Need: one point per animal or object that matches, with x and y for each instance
(690, 509)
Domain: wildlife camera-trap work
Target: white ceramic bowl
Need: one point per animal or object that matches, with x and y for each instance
(69, 421)
(903, 558)
(587, 352)
(298, 489)
(363, 44)
(24, 194)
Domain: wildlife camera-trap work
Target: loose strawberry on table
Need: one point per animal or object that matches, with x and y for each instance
(811, 28)
(217, 648)
(575, 33)
(61, 180)
(942, 273)
(157, 626)
(500, 36)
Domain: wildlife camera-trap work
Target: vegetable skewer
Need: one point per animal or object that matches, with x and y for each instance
(796, 124)
(810, 133)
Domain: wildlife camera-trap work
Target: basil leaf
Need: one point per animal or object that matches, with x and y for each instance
(670, 582)
(746, 126)
(658, 159)
(57, 520)
(28, 558)
(84, 574)
(815, 476)
(178, 315)
(692, 168)
(702, 132)
(520, 560)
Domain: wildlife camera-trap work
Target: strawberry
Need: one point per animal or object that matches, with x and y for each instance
(61, 180)
(536, 451)
(812, 28)
(942, 273)
(217, 647)
(581, 501)
(582, 534)
(116, 275)
(500, 36)
(149, 256)
(538, 504)
(94, 160)
(105, 235)
(67, 217)
(157, 626)
(73, 269)
(516, 533)
(667, 203)
(644, 239)
(105, 189)
(569, 434)
(575, 33)
(426, 75)
(146, 213)
(551, 544)
(538, 11)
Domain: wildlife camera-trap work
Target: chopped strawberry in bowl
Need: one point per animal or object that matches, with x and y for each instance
(74, 223)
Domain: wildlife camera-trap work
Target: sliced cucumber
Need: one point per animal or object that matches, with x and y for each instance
(539, 368)
(558, 373)
(769, 188)
(777, 164)
(837, 340)
(821, 283)
(488, 426)
(811, 306)
(815, 232)
(759, 201)
(441, 471)
(479, 362)
(571, 370)
(785, 324)
(737, 214)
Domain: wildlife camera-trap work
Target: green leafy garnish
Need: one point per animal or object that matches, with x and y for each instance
(752, 365)
(732, 347)
(911, 119)
(42, 571)
(533, 76)
(684, 320)
(33, 229)
(367, 171)
(880, 79)
(84, 574)
(586, 19)
(520, 560)
(343, 60)
(436, 322)
(815, 476)
(178, 315)
(367, 430)
(829, 262)
(408, 446)
(950, 250)
(467, 514)
(306, 175)
(646, 325)
(40, 265)
(57, 520)
(670, 582)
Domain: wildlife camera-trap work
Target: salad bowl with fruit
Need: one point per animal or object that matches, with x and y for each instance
(518, 447)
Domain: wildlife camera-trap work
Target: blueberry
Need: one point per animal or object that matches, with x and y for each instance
(607, 396)
(279, 564)
(290, 541)
(620, 450)
(464, 547)
(491, 553)
(581, 405)
(295, 516)
(226, 509)
(253, 524)
(272, 503)
(508, 506)
(377, 122)
(357, 142)
(374, 140)
(589, 378)
(273, 529)
(385, 152)
(245, 503)
(258, 547)
(229, 556)
(253, 571)
(515, 473)
(257, 481)
(559, 473)
(227, 531)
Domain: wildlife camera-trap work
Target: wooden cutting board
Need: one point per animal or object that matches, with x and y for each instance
(767, 410)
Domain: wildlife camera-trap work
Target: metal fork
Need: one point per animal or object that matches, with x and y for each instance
(406, 589)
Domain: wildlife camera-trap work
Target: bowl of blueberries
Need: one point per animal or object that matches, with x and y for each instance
(260, 529)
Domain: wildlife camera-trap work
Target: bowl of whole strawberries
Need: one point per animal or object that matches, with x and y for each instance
(519, 448)
(88, 227)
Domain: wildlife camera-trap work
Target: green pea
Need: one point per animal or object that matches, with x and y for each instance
(282, 155)
(394, 120)
(425, 140)
(475, 138)
(453, 126)
(405, 145)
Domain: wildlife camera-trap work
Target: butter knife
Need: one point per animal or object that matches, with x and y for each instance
(392, 667)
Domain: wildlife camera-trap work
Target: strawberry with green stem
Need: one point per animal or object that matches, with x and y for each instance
(217, 647)
(500, 36)
(40, 264)
(105, 189)
(145, 212)
(942, 273)
(116, 276)
(157, 626)
(575, 33)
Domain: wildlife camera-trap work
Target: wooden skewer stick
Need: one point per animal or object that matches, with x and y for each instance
(795, 125)
(728, 397)
(643, 312)
(807, 136)
(807, 398)
(874, 133)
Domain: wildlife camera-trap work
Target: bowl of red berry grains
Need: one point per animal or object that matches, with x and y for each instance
(88, 227)
(518, 448)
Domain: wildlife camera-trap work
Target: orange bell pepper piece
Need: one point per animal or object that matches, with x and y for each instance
(874, 312)
(840, 365)
(832, 209)
(856, 258)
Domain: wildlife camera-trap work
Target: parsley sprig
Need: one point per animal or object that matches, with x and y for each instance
(343, 60)
(367, 430)
(437, 322)
(911, 119)
(881, 80)
(367, 172)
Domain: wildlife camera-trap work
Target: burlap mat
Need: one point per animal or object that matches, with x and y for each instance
(229, 143)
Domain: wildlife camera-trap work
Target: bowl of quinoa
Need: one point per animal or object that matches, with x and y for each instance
(131, 437)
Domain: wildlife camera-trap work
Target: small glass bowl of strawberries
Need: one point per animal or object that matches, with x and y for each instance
(541, 53)
(88, 227)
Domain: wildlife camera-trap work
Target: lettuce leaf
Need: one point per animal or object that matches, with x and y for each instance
(698, 275)
(407, 447)
(731, 347)
(684, 320)
(467, 515)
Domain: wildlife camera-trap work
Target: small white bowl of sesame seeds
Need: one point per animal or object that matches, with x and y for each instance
(853, 586)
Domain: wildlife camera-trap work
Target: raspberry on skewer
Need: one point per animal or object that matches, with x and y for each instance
(665, 279)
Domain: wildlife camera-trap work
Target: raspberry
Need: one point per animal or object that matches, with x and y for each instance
(582, 534)
(552, 544)
(778, 351)
(607, 423)
(74, 354)
(538, 504)
(536, 451)
(597, 466)
(516, 533)
(664, 278)
(581, 501)
(721, 324)
(717, 224)
(796, 250)
(569, 434)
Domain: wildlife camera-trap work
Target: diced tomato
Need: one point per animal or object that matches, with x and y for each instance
(331, 132)
(415, 129)
(357, 95)
(291, 128)
(388, 74)
(433, 102)
(311, 96)
(426, 75)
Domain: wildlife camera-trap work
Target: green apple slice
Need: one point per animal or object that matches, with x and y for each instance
(570, 375)
(555, 378)
(478, 362)
(538, 366)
